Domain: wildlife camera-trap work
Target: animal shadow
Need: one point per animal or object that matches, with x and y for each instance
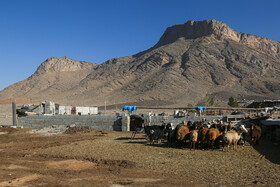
(129, 138)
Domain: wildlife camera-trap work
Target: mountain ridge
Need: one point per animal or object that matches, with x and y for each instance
(191, 63)
(196, 29)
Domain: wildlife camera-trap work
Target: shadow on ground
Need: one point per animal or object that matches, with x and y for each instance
(129, 138)
(164, 144)
(269, 149)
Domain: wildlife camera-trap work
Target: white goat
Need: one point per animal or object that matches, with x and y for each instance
(233, 136)
(173, 126)
(193, 138)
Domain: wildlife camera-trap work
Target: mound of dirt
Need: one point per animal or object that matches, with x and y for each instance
(8, 130)
(71, 165)
(113, 163)
(73, 130)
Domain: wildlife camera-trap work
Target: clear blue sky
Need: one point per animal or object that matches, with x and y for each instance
(89, 30)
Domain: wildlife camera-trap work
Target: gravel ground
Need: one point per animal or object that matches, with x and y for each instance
(107, 158)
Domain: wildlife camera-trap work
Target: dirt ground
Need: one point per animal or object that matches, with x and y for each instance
(85, 157)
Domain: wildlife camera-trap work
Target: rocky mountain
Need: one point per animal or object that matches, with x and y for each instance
(52, 79)
(199, 62)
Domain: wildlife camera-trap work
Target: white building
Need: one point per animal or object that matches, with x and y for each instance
(82, 110)
(65, 110)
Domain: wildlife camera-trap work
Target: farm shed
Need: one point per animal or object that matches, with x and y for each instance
(235, 118)
(136, 122)
(263, 104)
(272, 129)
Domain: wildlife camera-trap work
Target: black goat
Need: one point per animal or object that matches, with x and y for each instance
(156, 133)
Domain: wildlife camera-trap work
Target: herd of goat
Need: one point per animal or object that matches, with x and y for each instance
(209, 135)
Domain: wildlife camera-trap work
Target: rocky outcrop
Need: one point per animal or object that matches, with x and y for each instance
(64, 64)
(221, 31)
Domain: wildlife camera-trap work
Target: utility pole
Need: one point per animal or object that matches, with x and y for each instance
(115, 105)
(105, 108)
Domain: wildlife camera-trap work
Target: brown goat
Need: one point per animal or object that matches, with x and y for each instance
(213, 134)
(193, 138)
(202, 135)
(256, 133)
(182, 132)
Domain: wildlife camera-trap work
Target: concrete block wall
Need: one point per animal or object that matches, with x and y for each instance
(157, 120)
(101, 122)
(98, 122)
(125, 123)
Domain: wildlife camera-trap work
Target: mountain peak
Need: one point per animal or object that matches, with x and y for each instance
(195, 29)
(220, 31)
(64, 64)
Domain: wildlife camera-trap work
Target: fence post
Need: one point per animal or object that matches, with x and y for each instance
(125, 123)
(14, 114)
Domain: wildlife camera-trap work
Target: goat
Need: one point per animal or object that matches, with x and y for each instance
(213, 134)
(171, 138)
(202, 136)
(233, 136)
(147, 130)
(256, 133)
(193, 138)
(182, 132)
(156, 132)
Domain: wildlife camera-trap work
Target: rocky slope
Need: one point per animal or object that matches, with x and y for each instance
(191, 64)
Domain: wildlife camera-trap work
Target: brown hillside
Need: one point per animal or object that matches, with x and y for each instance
(191, 63)
(17, 100)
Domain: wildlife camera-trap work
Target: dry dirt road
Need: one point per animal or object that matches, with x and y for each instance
(103, 158)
